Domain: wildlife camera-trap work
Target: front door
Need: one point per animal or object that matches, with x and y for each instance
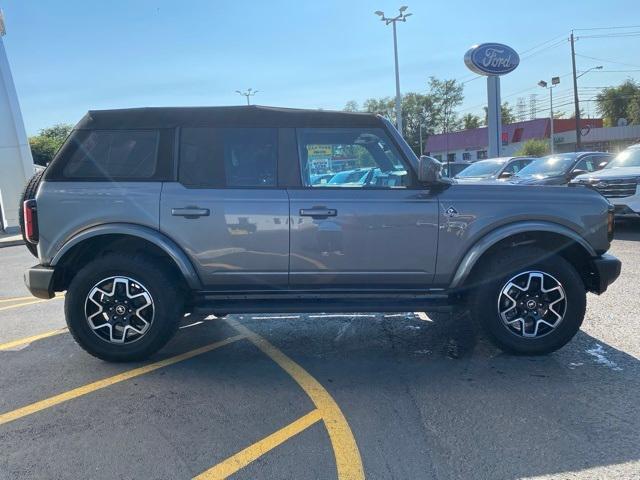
(359, 220)
(226, 210)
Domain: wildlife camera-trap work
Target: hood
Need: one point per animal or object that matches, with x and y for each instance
(474, 179)
(539, 180)
(479, 181)
(622, 172)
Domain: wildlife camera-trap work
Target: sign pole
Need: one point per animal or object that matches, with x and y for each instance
(492, 60)
(494, 116)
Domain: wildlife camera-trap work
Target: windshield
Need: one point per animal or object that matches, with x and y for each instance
(482, 169)
(549, 166)
(627, 158)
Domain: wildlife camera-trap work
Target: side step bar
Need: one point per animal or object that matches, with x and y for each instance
(296, 302)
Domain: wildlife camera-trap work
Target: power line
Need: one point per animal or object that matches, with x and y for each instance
(607, 28)
(618, 71)
(607, 61)
(612, 35)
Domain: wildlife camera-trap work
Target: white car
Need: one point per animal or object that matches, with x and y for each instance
(618, 181)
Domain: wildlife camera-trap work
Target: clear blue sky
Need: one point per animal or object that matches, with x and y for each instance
(69, 56)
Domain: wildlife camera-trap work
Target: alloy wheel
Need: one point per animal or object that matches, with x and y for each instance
(119, 310)
(532, 304)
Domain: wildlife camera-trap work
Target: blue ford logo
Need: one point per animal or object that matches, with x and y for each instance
(491, 59)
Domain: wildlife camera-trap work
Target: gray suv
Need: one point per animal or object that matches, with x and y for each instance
(146, 214)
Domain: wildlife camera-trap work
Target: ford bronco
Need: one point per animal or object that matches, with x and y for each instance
(146, 214)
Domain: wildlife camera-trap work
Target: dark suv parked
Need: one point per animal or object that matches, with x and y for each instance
(560, 168)
(146, 214)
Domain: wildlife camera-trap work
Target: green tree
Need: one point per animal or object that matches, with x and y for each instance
(382, 106)
(45, 145)
(446, 95)
(506, 112)
(433, 112)
(534, 148)
(623, 101)
(470, 121)
(351, 106)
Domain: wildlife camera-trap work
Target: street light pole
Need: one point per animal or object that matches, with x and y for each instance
(247, 93)
(402, 17)
(554, 81)
(398, 99)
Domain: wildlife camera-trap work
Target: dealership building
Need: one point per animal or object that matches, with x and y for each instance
(471, 145)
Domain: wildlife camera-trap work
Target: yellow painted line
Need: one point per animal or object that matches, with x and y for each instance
(25, 341)
(31, 302)
(250, 454)
(15, 299)
(23, 304)
(345, 449)
(109, 381)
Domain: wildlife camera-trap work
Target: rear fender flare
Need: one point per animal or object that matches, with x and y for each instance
(153, 236)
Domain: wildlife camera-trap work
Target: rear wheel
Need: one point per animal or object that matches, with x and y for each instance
(528, 301)
(123, 308)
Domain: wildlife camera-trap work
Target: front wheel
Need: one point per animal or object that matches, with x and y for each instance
(529, 302)
(123, 308)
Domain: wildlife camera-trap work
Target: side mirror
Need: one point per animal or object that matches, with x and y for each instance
(576, 172)
(429, 170)
(506, 174)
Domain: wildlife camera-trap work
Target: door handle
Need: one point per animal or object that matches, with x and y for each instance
(318, 212)
(190, 212)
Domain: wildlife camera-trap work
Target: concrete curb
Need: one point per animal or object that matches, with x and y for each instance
(11, 243)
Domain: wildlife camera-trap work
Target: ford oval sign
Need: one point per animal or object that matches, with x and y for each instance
(491, 59)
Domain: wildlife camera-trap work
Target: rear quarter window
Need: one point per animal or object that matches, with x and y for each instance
(114, 155)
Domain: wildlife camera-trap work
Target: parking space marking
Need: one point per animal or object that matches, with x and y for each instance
(25, 341)
(15, 299)
(243, 458)
(107, 382)
(345, 449)
(31, 302)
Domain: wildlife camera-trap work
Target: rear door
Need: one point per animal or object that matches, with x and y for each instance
(370, 225)
(226, 210)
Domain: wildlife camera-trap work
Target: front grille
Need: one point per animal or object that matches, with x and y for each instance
(619, 188)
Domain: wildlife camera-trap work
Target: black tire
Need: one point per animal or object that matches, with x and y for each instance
(29, 193)
(166, 294)
(497, 271)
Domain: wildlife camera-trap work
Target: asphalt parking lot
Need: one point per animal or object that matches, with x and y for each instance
(290, 396)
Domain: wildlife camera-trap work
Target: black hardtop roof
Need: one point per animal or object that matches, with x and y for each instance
(241, 116)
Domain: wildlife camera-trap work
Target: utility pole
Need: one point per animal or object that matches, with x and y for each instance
(576, 101)
(402, 17)
(247, 93)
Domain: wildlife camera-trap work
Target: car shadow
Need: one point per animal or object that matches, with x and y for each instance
(483, 413)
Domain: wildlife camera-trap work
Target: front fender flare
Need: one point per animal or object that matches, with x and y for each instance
(153, 236)
(482, 245)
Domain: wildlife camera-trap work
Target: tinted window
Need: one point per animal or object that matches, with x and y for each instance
(482, 169)
(349, 157)
(626, 158)
(517, 165)
(113, 154)
(588, 164)
(234, 157)
(549, 166)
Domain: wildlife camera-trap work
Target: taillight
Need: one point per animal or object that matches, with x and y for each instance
(610, 223)
(30, 221)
